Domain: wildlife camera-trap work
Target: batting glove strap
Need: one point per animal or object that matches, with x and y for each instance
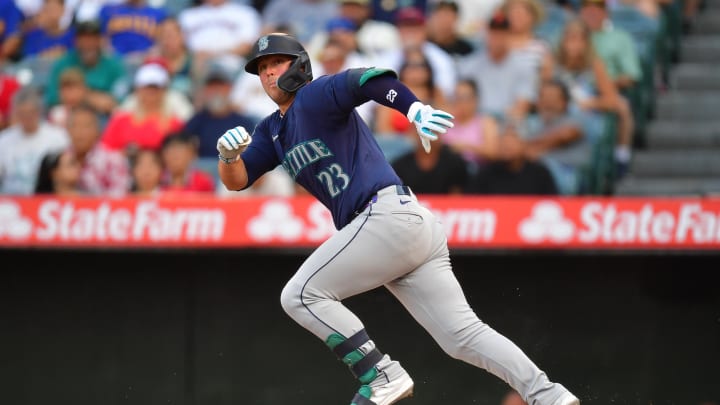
(227, 161)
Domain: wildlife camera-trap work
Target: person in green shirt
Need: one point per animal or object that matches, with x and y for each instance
(618, 51)
(104, 73)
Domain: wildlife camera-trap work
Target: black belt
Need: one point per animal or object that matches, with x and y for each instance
(403, 190)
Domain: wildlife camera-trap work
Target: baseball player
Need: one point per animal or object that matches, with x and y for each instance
(385, 237)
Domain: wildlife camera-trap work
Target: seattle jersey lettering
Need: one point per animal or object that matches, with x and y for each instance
(304, 154)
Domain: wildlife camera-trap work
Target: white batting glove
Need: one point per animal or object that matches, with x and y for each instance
(232, 143)
(429, 122)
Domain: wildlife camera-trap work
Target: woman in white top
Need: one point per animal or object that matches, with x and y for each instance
(524, 16)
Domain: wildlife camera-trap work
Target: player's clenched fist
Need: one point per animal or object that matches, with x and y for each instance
(429, 122)
(232, 143)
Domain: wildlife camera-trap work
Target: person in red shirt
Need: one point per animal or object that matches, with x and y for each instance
(145, 126)
(179, 153)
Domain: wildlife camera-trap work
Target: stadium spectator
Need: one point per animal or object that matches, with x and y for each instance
(340, 30)
(304, 17)
(512, 173)
(59, 174)
(384, 10)
(555, 136)
(413, 35)
(145, 125)
(179, 157)
(335, 56)
(104, 72)
(508, 85)
(170, 47)
(374, 37)
(146, 170)
(618, 50)
(442, 29)
(591, 88)
(475, 16)
(220, 31)
(340, 52)
(524, 17)
(73, 92)
(475, 135)
(690, 11)
(46, 39)
(130, 28)
(23, 144)
(442, 171)
(8, 86)
(103, 172)
(10, 35)
(216, 113)
(75, 11)
(174, 102)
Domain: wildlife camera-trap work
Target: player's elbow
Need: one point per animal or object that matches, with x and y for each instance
(233, 184)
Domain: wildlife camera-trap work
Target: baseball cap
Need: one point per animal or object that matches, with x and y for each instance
(340, 23)
(151, 74)
(499, 22)
(599, 3)
(218, 74)
(409, 16)
(91, 27)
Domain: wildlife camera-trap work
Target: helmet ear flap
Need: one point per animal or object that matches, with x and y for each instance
(297, 75)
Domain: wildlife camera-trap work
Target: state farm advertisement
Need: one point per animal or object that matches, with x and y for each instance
(469, 222)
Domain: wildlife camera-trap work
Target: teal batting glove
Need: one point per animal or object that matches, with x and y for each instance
(429, 122)
(232, 143)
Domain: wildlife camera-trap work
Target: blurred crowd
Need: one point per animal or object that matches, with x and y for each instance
(128, 97)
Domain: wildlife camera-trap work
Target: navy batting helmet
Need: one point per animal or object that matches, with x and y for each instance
(299, 72)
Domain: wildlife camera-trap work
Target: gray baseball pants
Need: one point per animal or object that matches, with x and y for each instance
(401, 245)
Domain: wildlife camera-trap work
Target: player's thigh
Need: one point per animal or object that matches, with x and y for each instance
(368, 253)
(434, 297)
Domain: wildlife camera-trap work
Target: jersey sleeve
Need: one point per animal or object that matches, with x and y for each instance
(259, 157)
(341, 93)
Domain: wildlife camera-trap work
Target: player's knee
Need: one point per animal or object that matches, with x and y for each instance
(290, 299)
(453, 349)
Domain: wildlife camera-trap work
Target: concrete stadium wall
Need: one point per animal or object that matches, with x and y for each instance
(206, 328)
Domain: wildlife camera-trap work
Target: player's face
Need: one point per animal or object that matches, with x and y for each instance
(269, 69)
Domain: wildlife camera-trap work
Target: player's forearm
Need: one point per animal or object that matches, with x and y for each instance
(390, 92)
(233, 175)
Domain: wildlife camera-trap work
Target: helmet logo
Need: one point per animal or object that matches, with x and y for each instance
(263, 43)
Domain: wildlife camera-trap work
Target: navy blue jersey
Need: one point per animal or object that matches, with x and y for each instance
(324, 145)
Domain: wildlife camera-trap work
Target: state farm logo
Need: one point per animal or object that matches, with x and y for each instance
(276, 220)
(12, 224)
(547, 222)
(56, 221)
